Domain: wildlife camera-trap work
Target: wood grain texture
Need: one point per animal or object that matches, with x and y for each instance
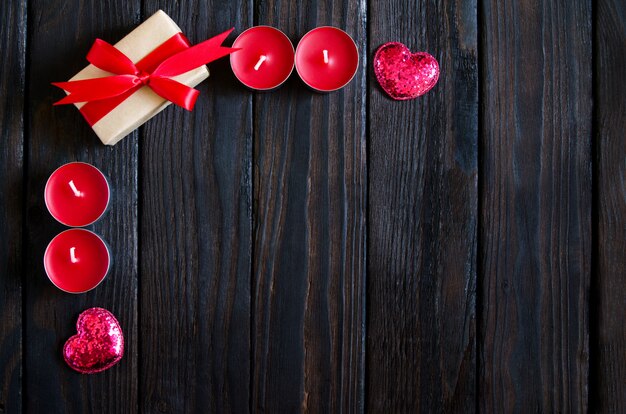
(421, 337)
(242, 232)
(61, 33)
(12, 85)
(536, 205)
(196, 234)
(609, 375)
(309, 229)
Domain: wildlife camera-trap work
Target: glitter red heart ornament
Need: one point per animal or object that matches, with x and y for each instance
(98, 345)
(402, 74)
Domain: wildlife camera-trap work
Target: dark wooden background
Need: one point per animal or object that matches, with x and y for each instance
(301, 252)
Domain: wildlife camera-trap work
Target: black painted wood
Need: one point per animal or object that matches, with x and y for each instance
(309, 229)
(12, 85)
(421, 341)
(608, 380)
(60, 34)
(196, 190)
(536, 201)
(248, 234)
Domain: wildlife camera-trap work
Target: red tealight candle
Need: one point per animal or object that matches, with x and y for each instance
(265, 60)
(327, 59)
(77, 194)
(76, 260)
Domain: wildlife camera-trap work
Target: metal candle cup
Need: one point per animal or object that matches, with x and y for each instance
(77, 194)
(77, 260)
(326, 59)
(266, 58)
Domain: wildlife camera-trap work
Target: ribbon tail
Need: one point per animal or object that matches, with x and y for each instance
(95, 89)
(195, 56)
(181, 95)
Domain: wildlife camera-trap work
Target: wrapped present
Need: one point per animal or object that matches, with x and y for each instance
(127, 84)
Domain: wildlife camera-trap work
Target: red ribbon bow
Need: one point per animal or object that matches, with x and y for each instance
(128, 76)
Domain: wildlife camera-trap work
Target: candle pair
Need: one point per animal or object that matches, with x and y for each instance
(326, 58)
(77, 195)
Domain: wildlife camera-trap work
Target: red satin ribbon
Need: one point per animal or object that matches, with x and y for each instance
(170, 59)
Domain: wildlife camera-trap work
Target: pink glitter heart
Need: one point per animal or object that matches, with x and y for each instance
(98, 345)
(402, 74)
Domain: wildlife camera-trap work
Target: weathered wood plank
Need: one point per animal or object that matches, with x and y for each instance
(309, 229)
(12, 85)
(196, 234)
(536, 205)
(421, 340)
(608, 380)
(61, 33)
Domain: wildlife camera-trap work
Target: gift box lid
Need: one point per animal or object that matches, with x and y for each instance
(144, 103)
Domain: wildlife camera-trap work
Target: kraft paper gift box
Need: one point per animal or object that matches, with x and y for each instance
(144, 103)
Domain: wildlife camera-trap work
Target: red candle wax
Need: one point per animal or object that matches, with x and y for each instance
(265, 60)
(327, 58)
(76, 260)
(77, 194)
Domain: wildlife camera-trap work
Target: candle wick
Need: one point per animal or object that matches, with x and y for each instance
(325, 55)
(73, 255)
(75, 190)
(262, 59)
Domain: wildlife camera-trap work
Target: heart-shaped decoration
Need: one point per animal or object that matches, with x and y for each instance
(98, 345)
(402, 74)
